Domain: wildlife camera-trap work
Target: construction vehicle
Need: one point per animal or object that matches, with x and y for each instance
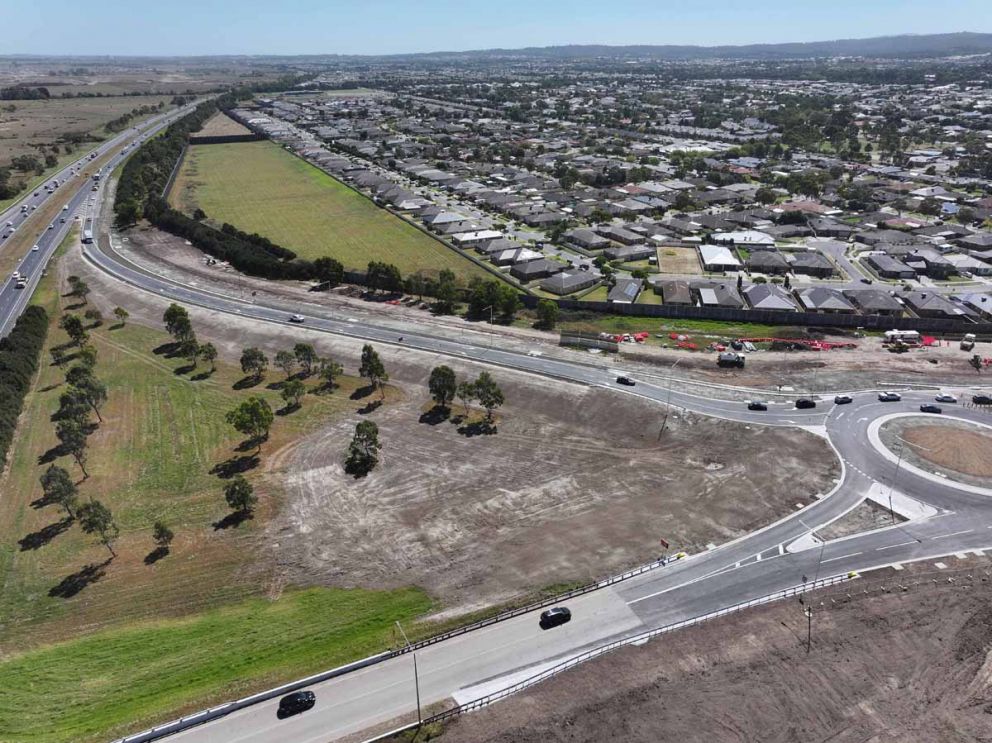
(968, 342)
(730, 359)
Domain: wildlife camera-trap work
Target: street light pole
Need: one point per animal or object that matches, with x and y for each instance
(416, 675)
(668, 402)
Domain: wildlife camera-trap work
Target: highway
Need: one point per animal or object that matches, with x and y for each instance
(33, 262)
(781, 555)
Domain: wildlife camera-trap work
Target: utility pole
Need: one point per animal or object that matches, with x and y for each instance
(492, 330)
(668, 402)
(895, 476)
(416, 675)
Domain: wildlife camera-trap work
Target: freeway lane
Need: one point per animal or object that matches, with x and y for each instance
(753, 566)
(33, 263)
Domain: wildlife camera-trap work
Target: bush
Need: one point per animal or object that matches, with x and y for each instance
(19, 354)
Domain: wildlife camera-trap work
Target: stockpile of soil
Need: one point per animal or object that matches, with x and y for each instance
(967, 451)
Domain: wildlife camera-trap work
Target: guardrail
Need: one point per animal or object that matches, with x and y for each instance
(610, 646)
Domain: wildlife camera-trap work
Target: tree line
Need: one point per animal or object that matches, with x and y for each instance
(19, 353)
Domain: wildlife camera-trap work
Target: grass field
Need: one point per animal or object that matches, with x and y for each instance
(593, 322)
(34, 123)
(222, 125)
(259, 187)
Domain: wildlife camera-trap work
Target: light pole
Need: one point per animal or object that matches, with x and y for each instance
(491, 329)
(668, 402)
(416, 676)
(895, 475)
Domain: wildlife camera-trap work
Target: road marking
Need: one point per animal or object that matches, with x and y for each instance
(853, 554)
(953, 534)
(893, 546)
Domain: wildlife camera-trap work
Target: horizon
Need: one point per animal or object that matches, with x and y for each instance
(390, 28)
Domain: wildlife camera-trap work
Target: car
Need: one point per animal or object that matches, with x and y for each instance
(62, 220)
(843, 399)
(51, 226)
(296, 318)
(21, 283)
(626, 381)
(555, 617)
(981, 400)
(804, 403)
(35, 249)
(889, 397)
(757, 405)
(946, 398)
(866, 281)
(295, 703)
(65, 208)
(930, 408)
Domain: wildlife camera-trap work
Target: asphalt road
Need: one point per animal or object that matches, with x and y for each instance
(747, 568)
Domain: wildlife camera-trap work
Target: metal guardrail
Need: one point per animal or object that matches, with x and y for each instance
(608, 647)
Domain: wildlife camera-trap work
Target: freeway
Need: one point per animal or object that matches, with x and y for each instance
(781, 555)
(32, 264)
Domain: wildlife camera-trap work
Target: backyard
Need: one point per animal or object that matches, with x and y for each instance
(259, 187)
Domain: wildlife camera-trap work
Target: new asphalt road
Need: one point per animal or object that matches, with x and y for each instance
(771, 559)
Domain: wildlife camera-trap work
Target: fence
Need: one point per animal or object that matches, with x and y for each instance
(174, 173)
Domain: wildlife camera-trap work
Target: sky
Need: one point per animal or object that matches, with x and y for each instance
(194, 27)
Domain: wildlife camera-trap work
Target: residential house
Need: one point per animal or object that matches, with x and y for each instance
(717, 258)
(769, 297)
(625, 291)
(811, 263)
(629, 253)
(933, 304)
(568, 282)
(875, 302)
(824, 300)
(717, 294)
(674, 291)
(585, 238)
(767, 261)
(537, 269)
(890, 268)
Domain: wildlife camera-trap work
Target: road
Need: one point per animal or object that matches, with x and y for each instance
(776, 557)
(33, 262)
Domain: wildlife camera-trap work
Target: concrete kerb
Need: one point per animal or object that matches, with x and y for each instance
(876, 442)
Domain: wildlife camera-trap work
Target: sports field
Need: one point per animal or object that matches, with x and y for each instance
(259, 187)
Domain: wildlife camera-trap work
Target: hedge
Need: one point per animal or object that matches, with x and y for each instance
(19, 353)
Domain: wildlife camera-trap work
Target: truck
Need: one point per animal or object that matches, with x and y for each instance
(88, 231)
(903, 336)
(968, 342)
(730, 359)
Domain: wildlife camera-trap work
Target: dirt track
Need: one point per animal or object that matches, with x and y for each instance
(909, 667)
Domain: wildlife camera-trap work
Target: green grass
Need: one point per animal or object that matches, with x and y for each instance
(259, 187)
(594, 322)
(111, 682)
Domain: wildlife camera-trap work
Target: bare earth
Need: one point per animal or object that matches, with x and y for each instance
(575, 483)
(899, 667)
(967, 451)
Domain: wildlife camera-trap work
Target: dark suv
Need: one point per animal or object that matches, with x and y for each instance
(804, 402)
(626, 381)
(554, 617)
(981, 400)
(295, 703)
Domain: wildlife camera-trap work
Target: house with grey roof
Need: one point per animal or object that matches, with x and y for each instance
(568, 282)
(769, 297)
(717, 294)
(767, 261)
(979, 302)
(933, 304)
(875, 302)
(536, 269)
(824, 300)
(718, 258)
(630, 253)
(811, 263)
(625, 291)
(674, 291)
(889, 268)
(586, 238)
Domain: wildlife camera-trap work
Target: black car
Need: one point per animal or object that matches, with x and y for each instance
(295, 703)
(555, 617)
(757, 405)
(865, 281)
(804, 402)
(981, 400)
(930, 408)
(889, 397)
(625, 380)
(843, 399)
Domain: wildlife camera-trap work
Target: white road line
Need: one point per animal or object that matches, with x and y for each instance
(953, 534)
(853, 554)
(893, 546)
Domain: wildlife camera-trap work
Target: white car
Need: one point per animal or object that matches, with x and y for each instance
(65, 208)
(35, 249)
(946, 398)
(297, 318)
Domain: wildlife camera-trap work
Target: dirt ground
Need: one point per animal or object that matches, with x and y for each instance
(866, 367)
(890, 667)
(863, 517)
(954, 447)
(575, 484)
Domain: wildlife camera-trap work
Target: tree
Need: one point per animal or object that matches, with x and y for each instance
(363, 451)
(94, 392)
(87, 356)
(442, 385)
(240, 495)
(94, 316)
(465, 391)
(209, 354)
(77, 373)
(488, 393)
(965, 215)
(59, 357)
(306, 356)
(329, 371)
(73, 407)
(253, 418)
(162, 535)
(122, 315)
(930, 206)
(373, 370)
(189, 349)
(72, 436)
(547, 314)
(293, 391)
(286, 361)
(60, 489)
(96, 518)
(254, 362)
(446, 292)
(81, 290)
(765, 196)
(177, 323)
(328, 271)
(74, 328)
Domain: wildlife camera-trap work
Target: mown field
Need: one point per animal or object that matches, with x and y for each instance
(259, 187)
(91, 646)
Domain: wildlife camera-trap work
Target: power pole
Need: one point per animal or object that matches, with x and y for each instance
(416, 675)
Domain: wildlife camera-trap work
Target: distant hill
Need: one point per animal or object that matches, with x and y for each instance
(928, 45)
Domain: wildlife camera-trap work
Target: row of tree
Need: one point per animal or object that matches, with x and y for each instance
(19, 353)
(444, 387)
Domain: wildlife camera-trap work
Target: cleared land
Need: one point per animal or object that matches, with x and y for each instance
(222, 125)
(32, 125)
(259, 187)
(678, 260)
(967, 451)
(910, 667)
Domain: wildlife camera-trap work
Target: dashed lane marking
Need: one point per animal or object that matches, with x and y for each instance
(893, 546)
(832, 559)
(953, 534)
